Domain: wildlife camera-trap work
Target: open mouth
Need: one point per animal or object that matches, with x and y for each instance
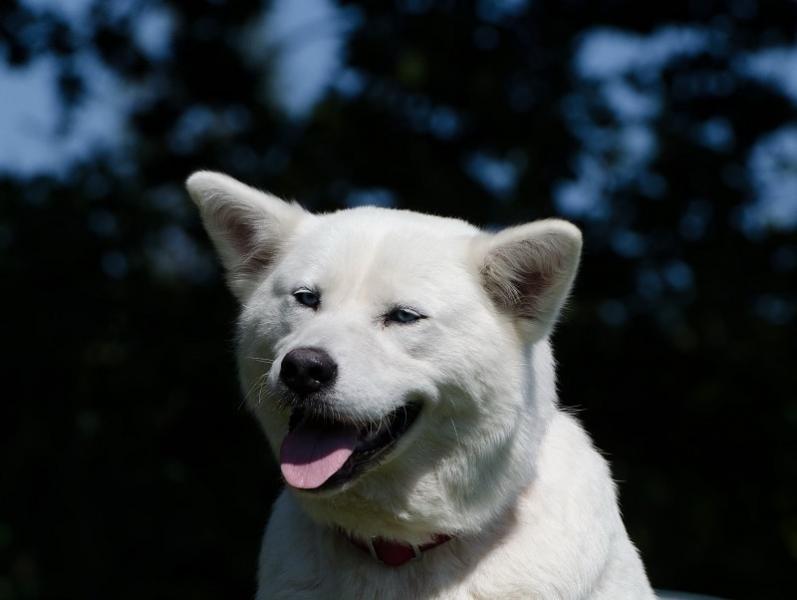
(320, 453)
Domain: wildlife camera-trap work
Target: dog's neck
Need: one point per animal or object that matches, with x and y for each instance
(394, 553)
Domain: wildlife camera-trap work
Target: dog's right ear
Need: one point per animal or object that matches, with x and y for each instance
(528, 271)
(248, 227)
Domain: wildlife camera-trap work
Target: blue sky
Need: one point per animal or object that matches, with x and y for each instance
(309, 39)
(30, 110)
(308, 35)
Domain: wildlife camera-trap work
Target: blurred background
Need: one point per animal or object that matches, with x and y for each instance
(666, 130)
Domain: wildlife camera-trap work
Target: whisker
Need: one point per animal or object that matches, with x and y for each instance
(260, 394)
(261, 360)
(249, 392)
(257, 382)
(456, 433)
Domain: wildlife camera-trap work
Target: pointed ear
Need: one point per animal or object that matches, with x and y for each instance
(248, 227)
(528, 271)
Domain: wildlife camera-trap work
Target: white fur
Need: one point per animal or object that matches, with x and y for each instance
(491, 458)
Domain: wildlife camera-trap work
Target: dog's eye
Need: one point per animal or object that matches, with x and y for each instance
(403, 315)
(307, 297)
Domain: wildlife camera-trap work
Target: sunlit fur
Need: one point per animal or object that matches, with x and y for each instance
(491, 460)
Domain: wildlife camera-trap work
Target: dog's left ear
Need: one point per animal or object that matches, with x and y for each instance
(248, 227)
(528, 271)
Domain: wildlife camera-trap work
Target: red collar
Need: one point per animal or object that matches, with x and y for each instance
(395, 554)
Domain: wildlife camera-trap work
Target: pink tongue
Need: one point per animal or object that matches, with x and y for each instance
(310, 455)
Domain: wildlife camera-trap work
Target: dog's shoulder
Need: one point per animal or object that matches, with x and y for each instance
(288, 563)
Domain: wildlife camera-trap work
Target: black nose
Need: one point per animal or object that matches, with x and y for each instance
(307, 370)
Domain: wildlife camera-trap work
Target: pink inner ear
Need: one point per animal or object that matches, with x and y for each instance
(241, 233)
(518, 276)
(530, 286)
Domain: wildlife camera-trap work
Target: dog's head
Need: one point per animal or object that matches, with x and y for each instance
(398, 362)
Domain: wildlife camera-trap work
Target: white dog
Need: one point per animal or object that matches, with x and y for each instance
(400, 366)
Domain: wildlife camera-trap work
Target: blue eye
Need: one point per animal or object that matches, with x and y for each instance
(403, 315)
(308, 298)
